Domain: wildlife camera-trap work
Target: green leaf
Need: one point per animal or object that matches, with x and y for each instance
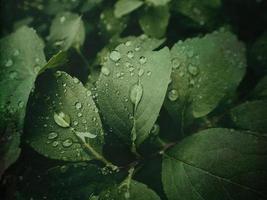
(67, 30)
(203, 12)
(128, 91)
(124, 7)
(21, 59)
(251, 115)
(205, 71)
(63, 121)
(68, 182)
(152, 27)
(52, 7)
(158, 2)
(216, 164)
(260, 91)
(9, 147)
(135, 191)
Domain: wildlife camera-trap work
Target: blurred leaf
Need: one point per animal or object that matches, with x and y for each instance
(260, 91)
(251, 116)
(158, 2)
(63, 121)
(216, 164)
(124, 7)
(152, 27)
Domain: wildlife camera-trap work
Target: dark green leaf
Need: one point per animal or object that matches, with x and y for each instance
(124, 7)
(134, 191)
(216, 164)
(152, 27)
(63, 120)
(205, 71)
(251, 115)
(21, 59)
(129, 93)
(67, 30)
(260, 91)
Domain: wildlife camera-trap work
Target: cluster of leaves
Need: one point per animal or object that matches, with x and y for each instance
(133, 99)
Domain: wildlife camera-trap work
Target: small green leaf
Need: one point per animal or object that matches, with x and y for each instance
(61, 110)
(135, 191)
(216, 164)
(251, 116)
(124, 7)
(128, 91)
(21, 59)
(152, 27)
(56, 60)
(260, 91)
(205, 71)
(158, 2)
(9, 147)
(67, 30)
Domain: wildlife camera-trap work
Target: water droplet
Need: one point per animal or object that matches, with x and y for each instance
(37, 60)
(105, 71)
(137, 48)
(149, 73)
(136, 94)
(115, 55)
(16, 52)
(21, 104)
(62, 119)
(13, 75)
(89, 93)
(36, 69)
(78, 105)
(193, 70)
(190, 53)
(128, 43)
(175, 63)
(141, 72)
(63, 168)
(130, 54)
(76, 80)
(127, 195)
(155, 129)
(62, 19)
(142, 60)
(173, 95)
(55, 143)
(80, 114)
(9, 63)
(52, 135)
(75, 123)
(67, 143)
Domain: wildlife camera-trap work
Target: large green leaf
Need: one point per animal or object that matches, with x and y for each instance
(134, 191)
(21, 59)
(216, 164)
(67, 30)
(152, 27)
(205, 71)
(251, 115)
(124, 7)
(63, 120)
(129, 92)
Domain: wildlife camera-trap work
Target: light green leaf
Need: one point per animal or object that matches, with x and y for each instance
(9, 147)
(124, 7)
(152, 27)
(158, 2)
(129, 92)
(216, 164)
(251, 115)
(135, 191)
(205, 71)
(21, 59)
(67, 30)
(59, 111)
(203, 12)
(260, 91)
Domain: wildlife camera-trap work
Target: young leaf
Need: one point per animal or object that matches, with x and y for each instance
(251, 115)
(21, 59)
(158, 2)
(67, 30)
(124, 7)
(128, 91)
(205, 70)
(216, 164)
(135, 191)
(9, 147)
(152, 27)
(60, 110)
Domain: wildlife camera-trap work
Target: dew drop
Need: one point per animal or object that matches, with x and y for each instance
(142, 60)
(128, 43)
(173, 95)
(76, 80)
(62, 19)
(55, 143)
(52, 135)
(80, 114)
(137, 48)
(67, 143)
(78, 105)
(62, 119)
(115, 55)
(130, 54)
(16, 52)
(193, 70)
(9, 63)
(149, 73)
(136, 94)
(105, 71)
(13, 75)
(175, 63)
(21, 104)
(141, 72)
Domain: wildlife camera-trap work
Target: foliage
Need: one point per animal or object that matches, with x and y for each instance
(133, 99)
